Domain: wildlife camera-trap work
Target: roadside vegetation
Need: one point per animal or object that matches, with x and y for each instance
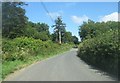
(25, 42)
(23, 51)
(100, 45)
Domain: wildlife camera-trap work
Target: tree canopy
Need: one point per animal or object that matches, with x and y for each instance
(59, 29)
(91, 29)
(13, 19)
(15, 24)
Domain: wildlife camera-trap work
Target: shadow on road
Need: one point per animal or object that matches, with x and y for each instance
(98, 70)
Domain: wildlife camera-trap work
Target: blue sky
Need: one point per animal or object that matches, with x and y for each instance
(73, 13)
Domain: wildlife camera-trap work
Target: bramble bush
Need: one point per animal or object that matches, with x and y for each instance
(102, 51)
(24, 48)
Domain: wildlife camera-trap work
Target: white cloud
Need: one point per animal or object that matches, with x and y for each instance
(111, 17)
(54, 15)
(79, 20)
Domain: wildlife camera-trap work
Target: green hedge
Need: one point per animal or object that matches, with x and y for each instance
(102, 51)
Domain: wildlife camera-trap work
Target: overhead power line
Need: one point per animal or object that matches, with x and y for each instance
(45, 8)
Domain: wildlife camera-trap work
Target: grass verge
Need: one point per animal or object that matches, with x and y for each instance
(9, 67)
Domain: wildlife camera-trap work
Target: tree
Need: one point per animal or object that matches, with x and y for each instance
(43, 31)
(13, 19)
(37, 31)
(87, 29)
(43, 36)
(75, 40)
(59, 28)
(54, 37)
(67, 37)
(29, 31)
(91, 29)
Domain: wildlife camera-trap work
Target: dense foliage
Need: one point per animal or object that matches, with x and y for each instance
(102, 48)
(91, 29)
(37, 31)
(13, 19)
(24, 48)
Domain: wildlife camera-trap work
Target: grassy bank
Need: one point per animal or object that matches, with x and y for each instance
(21, 52)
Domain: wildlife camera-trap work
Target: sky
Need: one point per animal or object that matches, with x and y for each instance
(73, 13)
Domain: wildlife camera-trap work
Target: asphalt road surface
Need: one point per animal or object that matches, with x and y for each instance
(63, 67)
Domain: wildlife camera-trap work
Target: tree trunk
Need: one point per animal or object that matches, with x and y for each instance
(59, 37)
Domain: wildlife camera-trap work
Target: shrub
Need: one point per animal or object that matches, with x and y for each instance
(24, 48)
(102, 51)
(19, 52)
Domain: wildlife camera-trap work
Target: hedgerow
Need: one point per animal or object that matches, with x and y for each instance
(102, 51)
(24, 48)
